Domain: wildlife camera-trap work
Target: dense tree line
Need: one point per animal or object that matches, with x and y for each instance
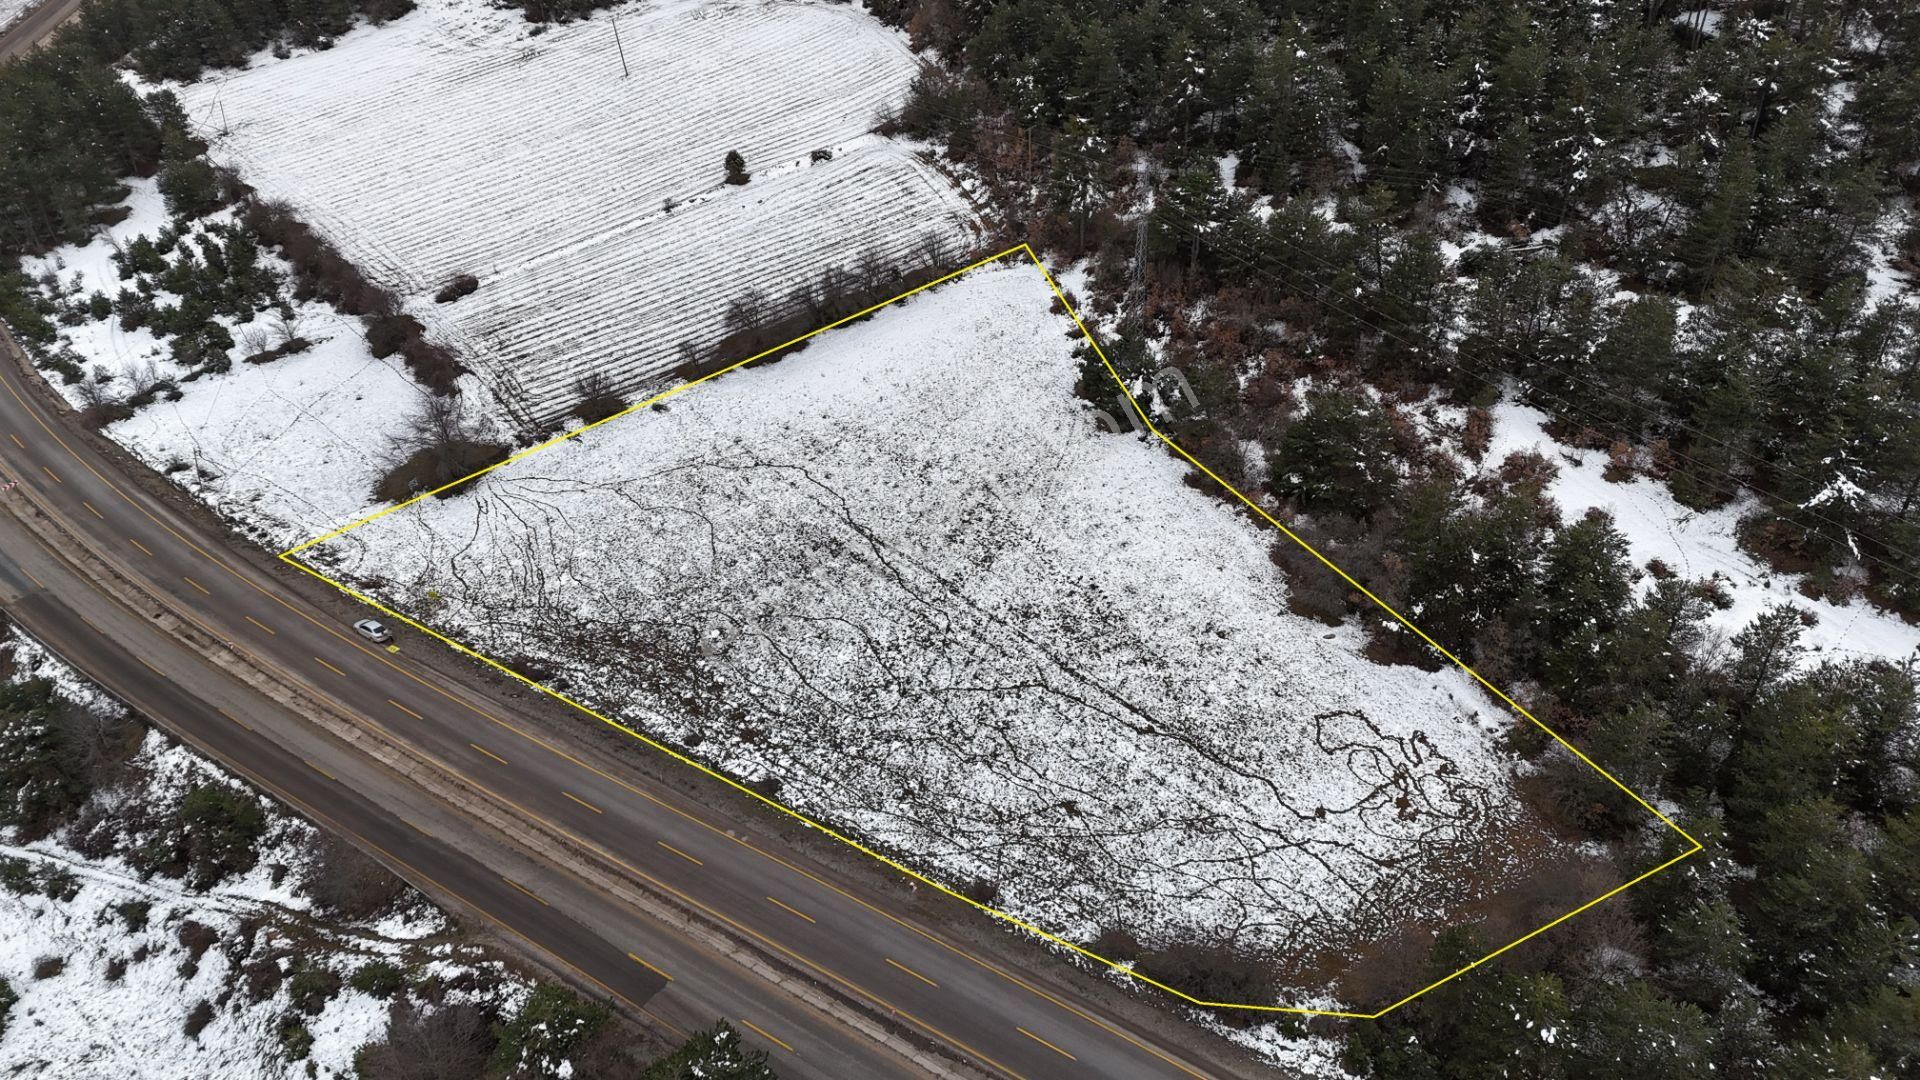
(1699, 190)
(1652, 221)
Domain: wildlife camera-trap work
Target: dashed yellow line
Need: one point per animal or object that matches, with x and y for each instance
(909, 971)
(416, 828)
(143, 548)
(33, 579)
(329, 667)
(488, 752)
(582, 802)
(680, 853)
(16, 440)
(55, 475)
(774, 1039)
(233, 718)
(404, 709)
(149, 664)
(791, 910)
(260, 624)
(1046, 1044)
(91, 510)
(195, 584)
(320, 770)
(649, 967)
(524, 889)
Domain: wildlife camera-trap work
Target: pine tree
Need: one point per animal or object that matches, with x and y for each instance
(1337, 455)
(1634, 1031)
(736, 168)
(1719, 229)
(1817, 942)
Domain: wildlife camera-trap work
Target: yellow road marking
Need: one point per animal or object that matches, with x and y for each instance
(33, 579)
(233, 718)
(776, 1040)
(582, 802)
(149, 664)
(404, 709)
(138, 544)
(16, 440)
(791, 910)
(310, 810)
(328, 666)
(50, 472)
(320, 770)
(680, 853)
(524, 889)
(195, 584)
(649, 967)
(909, 971)
(488, 752)
(416, 828)
(260, 624)
(1046, 1044)
(96, 513)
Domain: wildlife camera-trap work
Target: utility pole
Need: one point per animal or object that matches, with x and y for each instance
(624, 73)
(225, 128)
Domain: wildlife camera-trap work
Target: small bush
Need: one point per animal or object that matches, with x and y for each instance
(48, 966)
(597, 399)
(432, 467)
(196, 938)
(199, 1018)
(464, 285)
(134, 913)
(116, 969)
(378, 978)
(296, 1041)
(311, 988)
(291, 347)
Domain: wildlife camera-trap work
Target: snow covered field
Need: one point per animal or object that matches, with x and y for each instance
(285, 448)
(904, 573)
(117, 1006)
(590, 205)
(11, 10)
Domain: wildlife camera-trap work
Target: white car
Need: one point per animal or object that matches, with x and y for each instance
(374, 631)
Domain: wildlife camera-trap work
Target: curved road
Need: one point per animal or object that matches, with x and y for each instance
(843, 927)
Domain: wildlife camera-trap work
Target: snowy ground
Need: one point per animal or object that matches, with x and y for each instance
(905, 573)
(591, 205)
(284, 448)
(1699, 544)
(11, 10)
(86, 1022)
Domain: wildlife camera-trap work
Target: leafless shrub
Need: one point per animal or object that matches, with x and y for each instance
(344, 881)
(595, 397)
(438, 446)
(451, 1042)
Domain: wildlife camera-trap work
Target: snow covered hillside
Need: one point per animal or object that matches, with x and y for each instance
(905, 578)
(591, 205)
(118, 973)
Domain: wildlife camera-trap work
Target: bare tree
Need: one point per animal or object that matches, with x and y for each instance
(344, 881)
(448, 1043)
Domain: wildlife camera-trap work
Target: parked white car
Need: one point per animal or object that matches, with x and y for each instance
(374, 631)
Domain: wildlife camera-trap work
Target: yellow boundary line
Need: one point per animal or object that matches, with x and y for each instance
(290, 557)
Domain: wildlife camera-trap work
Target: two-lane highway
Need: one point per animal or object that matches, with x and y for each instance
(843, 929)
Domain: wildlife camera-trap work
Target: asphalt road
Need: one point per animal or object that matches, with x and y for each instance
(833, 923)
(35, 26)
